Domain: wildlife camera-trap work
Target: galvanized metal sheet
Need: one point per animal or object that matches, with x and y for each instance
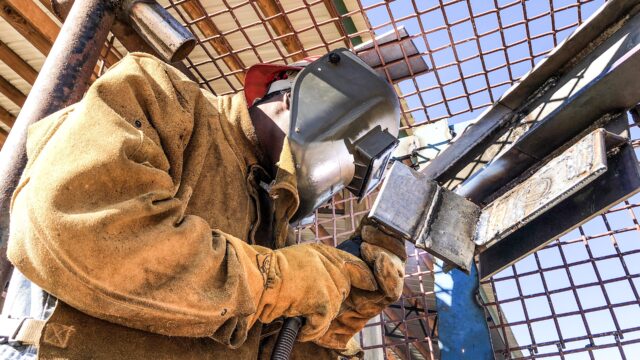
(552, 183)
(404, 198)
(449, 233)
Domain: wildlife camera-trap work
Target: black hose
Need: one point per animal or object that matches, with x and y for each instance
(286, 338)
(291, 326)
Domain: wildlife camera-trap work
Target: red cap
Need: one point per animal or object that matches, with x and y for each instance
(260, 76)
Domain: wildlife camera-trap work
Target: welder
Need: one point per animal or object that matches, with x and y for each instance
(154, 219)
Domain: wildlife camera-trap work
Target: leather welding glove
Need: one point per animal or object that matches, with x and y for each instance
(386, 256)
(312, 281)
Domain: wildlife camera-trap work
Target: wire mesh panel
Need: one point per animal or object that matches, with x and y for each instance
(407, 329)
(577, 298)
(476, 49)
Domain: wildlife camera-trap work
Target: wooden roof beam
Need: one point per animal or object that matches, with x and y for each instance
(280, 24)
(18, 19)
(3, 137)
(36, 26)
(195, 11)
(11, 92)
(15, 62)
(333, 12)
(6, 118)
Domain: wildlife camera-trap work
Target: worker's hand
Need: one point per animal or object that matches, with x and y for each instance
(386, 256)
(312, 281)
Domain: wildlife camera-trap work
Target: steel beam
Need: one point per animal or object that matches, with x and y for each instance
(449, 165)
(621, 180)
(601, 83)
(558, 179)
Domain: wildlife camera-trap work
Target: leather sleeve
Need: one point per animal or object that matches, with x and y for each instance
(99, 221)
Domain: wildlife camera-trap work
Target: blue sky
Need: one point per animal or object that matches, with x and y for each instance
(465, 61)
(465, 75)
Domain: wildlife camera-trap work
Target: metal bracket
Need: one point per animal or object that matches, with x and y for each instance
(450, 226)
(620, 180)
(433, 218)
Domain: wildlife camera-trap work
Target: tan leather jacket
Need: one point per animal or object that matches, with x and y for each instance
(115, 211)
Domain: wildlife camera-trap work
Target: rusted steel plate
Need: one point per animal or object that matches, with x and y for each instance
(552, 183)
(392, 47)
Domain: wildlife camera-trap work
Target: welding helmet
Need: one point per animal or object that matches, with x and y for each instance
(343, 124)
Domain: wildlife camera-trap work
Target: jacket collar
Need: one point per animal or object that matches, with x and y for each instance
(283, 189)
(284, 193)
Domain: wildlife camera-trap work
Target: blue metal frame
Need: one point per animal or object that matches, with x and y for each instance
(462, 327)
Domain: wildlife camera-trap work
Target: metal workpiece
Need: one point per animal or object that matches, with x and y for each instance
(62, 81)
(450, 229)
(558, 179)
(450, 226)
(620, 181)
(431, 217)
(144, 25)
(400, 210)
